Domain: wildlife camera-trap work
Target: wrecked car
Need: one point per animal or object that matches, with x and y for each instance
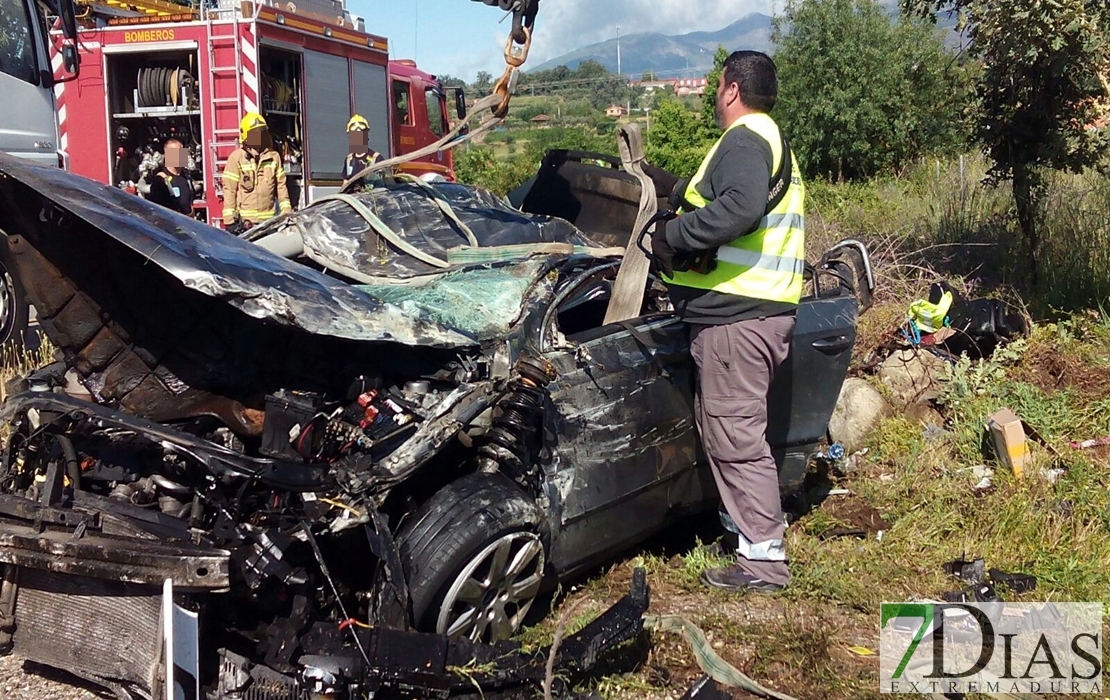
(394, 410)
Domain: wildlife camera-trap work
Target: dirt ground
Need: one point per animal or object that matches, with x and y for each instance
(26, 681)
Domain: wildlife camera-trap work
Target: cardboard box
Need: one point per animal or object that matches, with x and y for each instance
(1010, 443)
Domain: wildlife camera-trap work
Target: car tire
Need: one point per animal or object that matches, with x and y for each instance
(14, 309)
(474, 558)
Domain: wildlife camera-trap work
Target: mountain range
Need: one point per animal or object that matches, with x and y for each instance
(691, 55)
(670, 56)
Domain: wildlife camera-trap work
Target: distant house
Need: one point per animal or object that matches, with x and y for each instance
(614, 111)
(541, 120)
(689, 86)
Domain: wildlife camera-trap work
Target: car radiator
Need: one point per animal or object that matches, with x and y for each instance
(106, 632)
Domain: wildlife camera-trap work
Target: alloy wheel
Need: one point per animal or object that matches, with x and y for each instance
(488, 600)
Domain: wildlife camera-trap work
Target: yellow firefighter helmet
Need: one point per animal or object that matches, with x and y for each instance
(358, 123)
(250, 122)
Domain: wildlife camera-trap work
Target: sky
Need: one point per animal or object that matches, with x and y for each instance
(462, 37)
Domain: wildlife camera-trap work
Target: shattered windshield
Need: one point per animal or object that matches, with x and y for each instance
(481, 302)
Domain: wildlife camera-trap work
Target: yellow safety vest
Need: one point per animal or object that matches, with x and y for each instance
(930, 317)
(769, 262)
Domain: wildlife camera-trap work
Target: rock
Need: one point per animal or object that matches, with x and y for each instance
(924, 413)
(858, 411)
(912, 376)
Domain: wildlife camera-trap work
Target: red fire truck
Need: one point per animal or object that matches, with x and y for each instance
(153, 70)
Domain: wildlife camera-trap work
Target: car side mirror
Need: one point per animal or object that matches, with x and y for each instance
(460, 104)
(71, 60)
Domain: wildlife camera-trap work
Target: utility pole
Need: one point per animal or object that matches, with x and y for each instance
(618, 49)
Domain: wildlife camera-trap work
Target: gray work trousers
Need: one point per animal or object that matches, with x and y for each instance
(736, 363)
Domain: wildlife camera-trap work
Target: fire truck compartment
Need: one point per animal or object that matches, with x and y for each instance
(153, 96)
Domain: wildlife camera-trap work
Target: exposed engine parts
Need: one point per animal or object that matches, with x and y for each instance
(308, 426)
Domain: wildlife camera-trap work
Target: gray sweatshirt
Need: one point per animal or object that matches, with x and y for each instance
(735, 186)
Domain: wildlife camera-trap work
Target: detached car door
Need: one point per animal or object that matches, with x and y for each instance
(624, 452)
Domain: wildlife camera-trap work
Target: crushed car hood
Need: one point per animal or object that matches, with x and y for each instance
(207, 260)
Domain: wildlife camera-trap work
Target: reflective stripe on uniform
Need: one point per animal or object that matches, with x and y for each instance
(256, 214)
(768, 550)
(783, 220)
(231, 176)
(751, 258)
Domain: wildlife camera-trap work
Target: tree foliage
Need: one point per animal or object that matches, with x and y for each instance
(1043, 84)
(479, 165)
(590, 81)
(678, 138)
(861, 93)
(709, 99)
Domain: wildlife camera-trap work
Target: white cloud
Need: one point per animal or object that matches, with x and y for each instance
(565, 25)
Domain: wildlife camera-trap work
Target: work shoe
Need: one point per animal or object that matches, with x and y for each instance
(734, 578)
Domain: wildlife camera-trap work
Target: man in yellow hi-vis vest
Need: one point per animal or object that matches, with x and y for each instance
(742, 222)
(253, 179)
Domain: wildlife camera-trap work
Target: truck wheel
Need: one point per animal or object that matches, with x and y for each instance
(14, 310)
(473, 558)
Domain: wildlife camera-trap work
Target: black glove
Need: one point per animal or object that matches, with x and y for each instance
(661, 250)
(235, 228)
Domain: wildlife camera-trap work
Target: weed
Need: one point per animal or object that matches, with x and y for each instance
(699, 559)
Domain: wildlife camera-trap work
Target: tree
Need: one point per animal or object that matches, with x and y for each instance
(1043, 84)
(709, 99)
(450, 81)
(647, 76)
(861, 93)
(483, 81)
(677, 140)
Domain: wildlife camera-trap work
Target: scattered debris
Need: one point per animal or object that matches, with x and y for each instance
(859, 410)
(982, 581)
(957, 326)
(861, 651)
(967, 571)
(839, 492)
(704, 689)
(1008, 437)
(708, 660)
(983, 474)
(1088, 444)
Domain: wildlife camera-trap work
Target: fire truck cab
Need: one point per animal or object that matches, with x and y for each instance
(153, 70)
(420, 118)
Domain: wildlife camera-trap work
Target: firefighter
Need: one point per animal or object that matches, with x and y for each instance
(253, 179)
(359, 153)
(169, 185)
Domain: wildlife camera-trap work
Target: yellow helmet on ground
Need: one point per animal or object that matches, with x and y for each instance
(250, 122)
(358, 123)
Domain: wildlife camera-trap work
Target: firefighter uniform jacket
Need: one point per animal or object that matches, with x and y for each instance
(254, 186)
(357, 163)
